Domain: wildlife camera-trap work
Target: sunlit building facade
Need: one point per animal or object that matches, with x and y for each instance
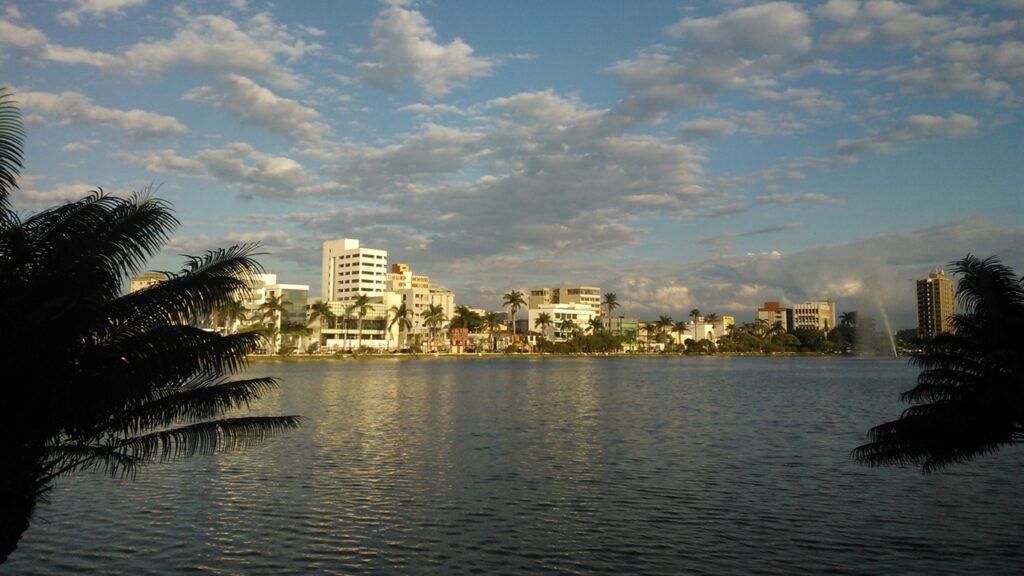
(935, 304)
(349, 270)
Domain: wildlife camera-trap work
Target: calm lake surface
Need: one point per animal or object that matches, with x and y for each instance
(554, 465)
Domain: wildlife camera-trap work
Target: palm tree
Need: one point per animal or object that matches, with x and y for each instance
(596, 325)
(514, 302)
(231, 313)
(712, 319)
(968, 399)
(361, 307)
(127, 378)
(664, 323)
(465, 318)
(490, 323)
(543, 321)
(680, 329)
(848, 319)
(320, 310)
(12, 141)
(433, 317)
(611, 301)
(401, 319)
(695, 316)
(272, 308)
(568, 328)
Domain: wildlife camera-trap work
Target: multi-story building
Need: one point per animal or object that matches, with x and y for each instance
(147, 279)
(291, 297)
(347, 331)
(935, 304)
(415, 292)
(586, 295)
(578, 313)
(773, 312)
(350, 270)
(815, 314)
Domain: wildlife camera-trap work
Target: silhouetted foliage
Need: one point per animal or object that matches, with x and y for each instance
(969, 398)
(96, 379)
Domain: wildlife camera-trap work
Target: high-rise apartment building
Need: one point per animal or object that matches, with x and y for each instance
(815, 314)
(935, 304)
(350, 270)
(587, 295)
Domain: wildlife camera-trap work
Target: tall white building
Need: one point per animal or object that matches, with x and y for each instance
(349, 270)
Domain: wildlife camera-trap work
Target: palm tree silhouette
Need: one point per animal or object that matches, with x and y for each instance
(968, 400)
(361, 307)
(105, 380)
(611, 301)
(513, 300)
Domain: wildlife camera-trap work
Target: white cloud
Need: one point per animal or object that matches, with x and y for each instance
(165, 161)
(403, 45)
(95, 9)
(255, 173)
(74, 108)
(916, 127)
(80, 146)
(764, 28)
(254, 104)
(707, 128)
(207, 42)
(430, 109)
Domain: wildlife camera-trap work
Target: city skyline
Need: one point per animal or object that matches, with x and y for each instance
(716, 157)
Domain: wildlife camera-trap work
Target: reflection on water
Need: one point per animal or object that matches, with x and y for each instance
(588, 465)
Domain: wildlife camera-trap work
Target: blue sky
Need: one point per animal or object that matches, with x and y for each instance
(681, 155)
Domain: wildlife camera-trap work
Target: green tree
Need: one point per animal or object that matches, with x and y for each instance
(695, 316)
(568, 328)
(680, 329)
(543, 321)
(400, 318)
(513, 300)
(611, 302)
(433, 318)
(465, 318)
(321, 311)
(231, 314)
(490, 323)
(596, 325)
(360, 307)
(969, 399)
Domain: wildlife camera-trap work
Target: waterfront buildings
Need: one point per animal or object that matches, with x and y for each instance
(935, 304)
(815, 314)
(567, 319)
(349, 270)
(287, 326)
(773, 313)
(585, 295)
(418, 296)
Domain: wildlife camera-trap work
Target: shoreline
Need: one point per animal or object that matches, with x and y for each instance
(535, 355)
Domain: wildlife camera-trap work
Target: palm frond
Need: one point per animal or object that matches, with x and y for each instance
(12, 142)
(224, 435)
(199, 400)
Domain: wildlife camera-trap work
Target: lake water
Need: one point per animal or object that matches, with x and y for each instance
(554, 465)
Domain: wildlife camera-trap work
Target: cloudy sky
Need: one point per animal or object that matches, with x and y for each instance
(678, 154)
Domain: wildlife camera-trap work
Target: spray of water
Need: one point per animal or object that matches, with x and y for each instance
(888, 327)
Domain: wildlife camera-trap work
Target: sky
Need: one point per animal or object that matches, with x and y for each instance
(679, 154)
